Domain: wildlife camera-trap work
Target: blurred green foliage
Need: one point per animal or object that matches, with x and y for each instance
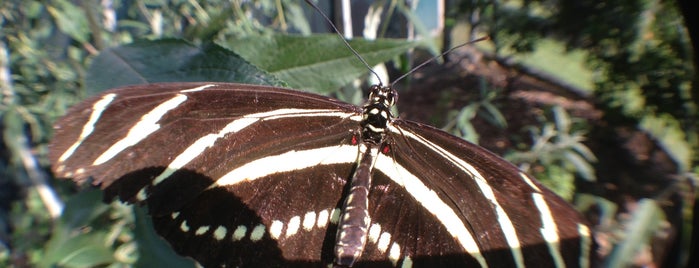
(638, 52)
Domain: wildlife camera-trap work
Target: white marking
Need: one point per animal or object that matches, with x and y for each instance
(374, 232)
(383, 242)
(529, 181)
(220, 232)
(549, 230)
(174, 215)
(407, 262)
(394, 254)
(430, 200)
(275, 229)
(323, 217)
(200, 88)
(289, 161)
(146, 126)
(184, 227)
(207, 141)
(141, 195)
(293, 227)
(201, 230)
(375, 129)
(257, 233)
(309, 220)
(240, 232)
(585, 243)
(350, 197)
(80, 171)
(289, 113)
(97, 110)
(335, 216)
(200, 145)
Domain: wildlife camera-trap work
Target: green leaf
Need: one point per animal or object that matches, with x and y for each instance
(70, 19)
(170, 60)
(645, 221)
(153, 250)
(582, 166)
(318, 63)
(75, 243)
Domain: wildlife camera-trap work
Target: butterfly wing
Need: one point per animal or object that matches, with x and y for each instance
(439, 200)
(232, 174)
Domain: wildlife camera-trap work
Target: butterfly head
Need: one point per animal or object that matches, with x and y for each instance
(383, 95)
(377, 113)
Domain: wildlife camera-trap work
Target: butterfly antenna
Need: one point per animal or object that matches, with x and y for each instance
(344, 40)
(440, 55)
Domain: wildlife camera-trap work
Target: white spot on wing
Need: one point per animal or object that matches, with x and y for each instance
(383, 242)
(275, 229)
(394, 254)
(335, 216)
(549, 230)
(201, 230)
(220, 233)
(257, 233)
(293, 227)
(97, 110)
(146, 126)
(309, 220)
(374, 232)
(184, 227)
(407, 262)
(240, 232)
(323, 217)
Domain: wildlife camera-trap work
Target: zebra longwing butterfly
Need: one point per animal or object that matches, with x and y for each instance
(246, 175)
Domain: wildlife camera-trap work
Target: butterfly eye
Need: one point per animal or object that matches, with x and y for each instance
(392, 97)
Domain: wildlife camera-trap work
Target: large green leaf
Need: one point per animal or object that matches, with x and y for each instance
(319, 63)
(73, 243)
(170, 60)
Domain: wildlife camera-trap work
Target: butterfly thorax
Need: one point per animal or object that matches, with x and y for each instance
(377, 113)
